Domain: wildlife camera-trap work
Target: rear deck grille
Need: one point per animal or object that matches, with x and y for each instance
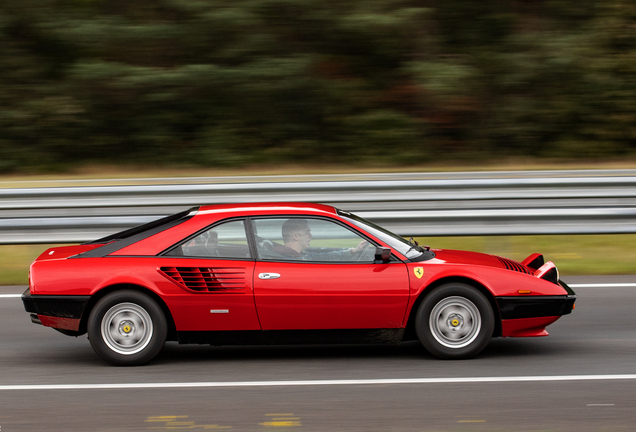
(514, 265)
(207, 278)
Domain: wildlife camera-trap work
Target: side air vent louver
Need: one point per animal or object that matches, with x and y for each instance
(206, 278)
(514, 265)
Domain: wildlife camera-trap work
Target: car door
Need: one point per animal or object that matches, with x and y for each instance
(331, 284)
(215, 269)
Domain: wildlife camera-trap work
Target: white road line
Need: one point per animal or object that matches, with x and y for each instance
(10, 295)
(319, 382)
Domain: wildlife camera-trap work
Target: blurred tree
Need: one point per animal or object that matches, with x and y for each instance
(228, 83)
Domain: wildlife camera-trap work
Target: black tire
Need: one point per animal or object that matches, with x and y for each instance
(127, 328)
(455, 321)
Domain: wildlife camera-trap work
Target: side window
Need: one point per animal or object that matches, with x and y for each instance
(307, 239)
(227, 240)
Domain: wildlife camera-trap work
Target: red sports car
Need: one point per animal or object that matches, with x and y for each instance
(281, 274)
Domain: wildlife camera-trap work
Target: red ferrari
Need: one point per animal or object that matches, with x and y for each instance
(282, 274)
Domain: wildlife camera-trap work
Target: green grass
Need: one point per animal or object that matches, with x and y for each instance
(15, 261)
(573, 254)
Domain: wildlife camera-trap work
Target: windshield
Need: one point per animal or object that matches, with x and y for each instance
(407, 248)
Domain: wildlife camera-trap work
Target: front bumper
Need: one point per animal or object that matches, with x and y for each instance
(528, 316)
(60, 312)
(537, 306)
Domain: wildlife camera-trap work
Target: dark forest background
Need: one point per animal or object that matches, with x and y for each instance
(230, 83)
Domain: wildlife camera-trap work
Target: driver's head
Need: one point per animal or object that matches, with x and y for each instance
(296, 234)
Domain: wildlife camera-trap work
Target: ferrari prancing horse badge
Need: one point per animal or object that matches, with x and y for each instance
(419, 272)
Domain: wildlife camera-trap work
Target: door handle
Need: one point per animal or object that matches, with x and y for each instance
(268, 275)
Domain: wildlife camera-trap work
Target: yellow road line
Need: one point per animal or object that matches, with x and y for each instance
(164, 418)
(281, 424)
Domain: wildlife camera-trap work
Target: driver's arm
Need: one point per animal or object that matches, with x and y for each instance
(358, 248)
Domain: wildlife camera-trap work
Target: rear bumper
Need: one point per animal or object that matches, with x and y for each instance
(60, 312)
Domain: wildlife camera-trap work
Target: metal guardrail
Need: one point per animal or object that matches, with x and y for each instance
(418, 204)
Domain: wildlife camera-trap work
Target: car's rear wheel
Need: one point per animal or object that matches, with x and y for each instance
(127, 328)
(455, 321)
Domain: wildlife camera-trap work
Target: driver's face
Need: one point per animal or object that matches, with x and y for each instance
(303, 237)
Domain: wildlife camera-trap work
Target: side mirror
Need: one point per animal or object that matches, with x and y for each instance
(382, 255)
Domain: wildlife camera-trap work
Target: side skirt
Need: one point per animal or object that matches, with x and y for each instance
(292, 337)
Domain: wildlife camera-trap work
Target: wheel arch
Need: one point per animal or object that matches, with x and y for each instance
(409, 333)
(172, 329)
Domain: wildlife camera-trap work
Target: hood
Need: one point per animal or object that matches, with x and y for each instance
(475, 258)
(62, 252)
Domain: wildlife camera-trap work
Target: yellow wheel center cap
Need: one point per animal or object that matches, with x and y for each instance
(127, 329)
(455, 322)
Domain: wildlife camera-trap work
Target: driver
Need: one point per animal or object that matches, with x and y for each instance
(297, 236)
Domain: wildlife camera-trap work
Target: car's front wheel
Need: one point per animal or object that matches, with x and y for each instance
(127, 328)
(455, 321)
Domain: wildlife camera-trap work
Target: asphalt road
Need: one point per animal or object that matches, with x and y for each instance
(580, 378)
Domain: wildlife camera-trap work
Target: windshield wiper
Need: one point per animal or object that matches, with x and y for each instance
(414, 246)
